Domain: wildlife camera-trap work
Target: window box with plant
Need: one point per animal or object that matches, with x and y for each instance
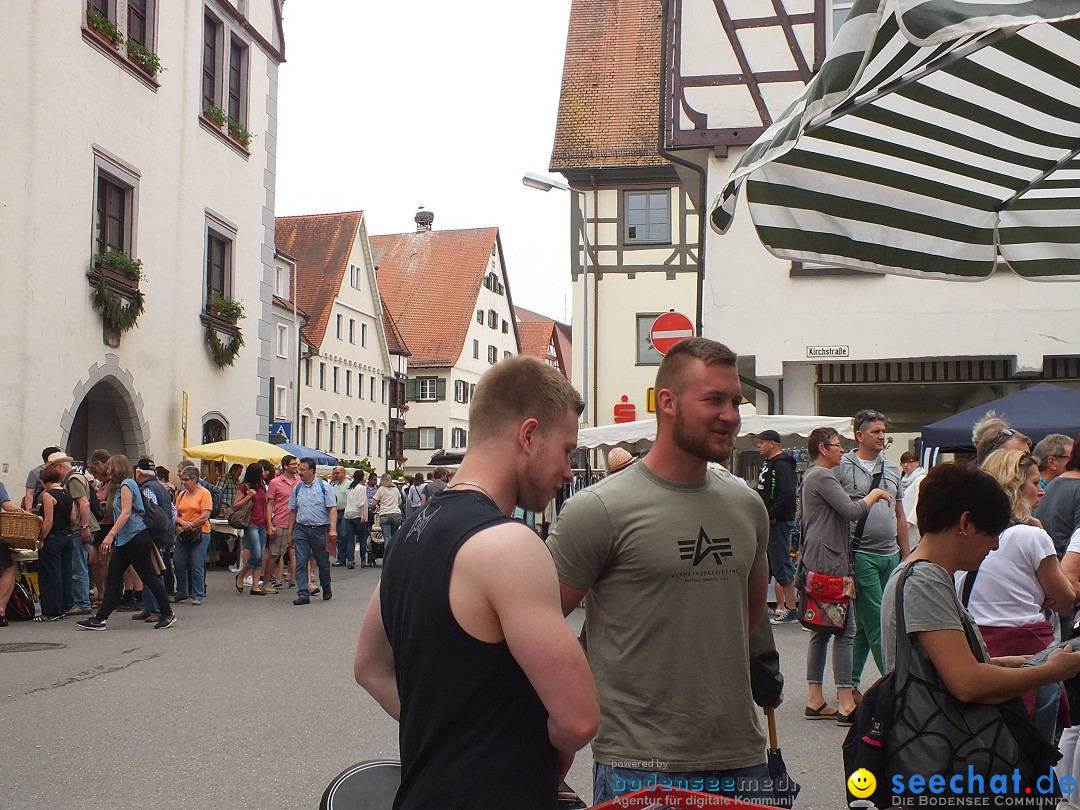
(224, 308)
(216, 116)
(117, 269)
(144, 58)
(239, 133)
(103, 26)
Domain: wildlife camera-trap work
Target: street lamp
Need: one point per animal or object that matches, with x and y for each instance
(543, 183)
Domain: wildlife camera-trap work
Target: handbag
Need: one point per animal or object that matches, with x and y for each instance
(825, 602)
(911, 726)
(240, 517)
(190, 536)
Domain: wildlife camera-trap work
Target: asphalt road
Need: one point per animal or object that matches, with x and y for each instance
(245, 702)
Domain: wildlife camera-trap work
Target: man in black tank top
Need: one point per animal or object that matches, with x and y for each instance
(464, 640)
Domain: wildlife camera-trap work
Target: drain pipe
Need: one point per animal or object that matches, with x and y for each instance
(702, 174)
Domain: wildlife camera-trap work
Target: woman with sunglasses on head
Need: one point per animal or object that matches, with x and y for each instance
(253, 488)
(128, 542)
(1015, 583)
(827, 515)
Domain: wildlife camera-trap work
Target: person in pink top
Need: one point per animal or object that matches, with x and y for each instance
(278, 493)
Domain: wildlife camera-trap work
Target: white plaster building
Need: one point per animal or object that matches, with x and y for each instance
(641, 226)
(448, 293)
(350, 379)
(812, 339)
(823, 339)
(107, 147)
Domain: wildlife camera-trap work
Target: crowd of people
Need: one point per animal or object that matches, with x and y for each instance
(464, 643)
(121, 537)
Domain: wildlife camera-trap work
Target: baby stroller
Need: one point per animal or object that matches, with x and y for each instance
(375, 546)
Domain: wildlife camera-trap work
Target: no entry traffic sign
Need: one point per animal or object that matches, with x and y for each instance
(669, 329)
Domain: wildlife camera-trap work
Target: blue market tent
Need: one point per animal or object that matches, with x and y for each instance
(1036, 412)
(300, 451)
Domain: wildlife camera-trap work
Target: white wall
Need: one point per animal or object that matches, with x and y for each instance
(449, 414)
(61, 97)
(752, 304)
(364, 361)
(615, 300)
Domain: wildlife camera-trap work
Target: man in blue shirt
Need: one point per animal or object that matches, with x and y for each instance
(313, 508)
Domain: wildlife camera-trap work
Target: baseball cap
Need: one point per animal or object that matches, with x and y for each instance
(146, 464)
(768, 436)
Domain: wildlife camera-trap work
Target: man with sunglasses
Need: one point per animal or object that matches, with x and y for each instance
(880, 539)
(1053, 454)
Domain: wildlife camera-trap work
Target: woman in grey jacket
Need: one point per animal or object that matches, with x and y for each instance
(827, 515)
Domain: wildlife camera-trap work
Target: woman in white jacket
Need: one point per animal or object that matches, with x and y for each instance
(914, 473)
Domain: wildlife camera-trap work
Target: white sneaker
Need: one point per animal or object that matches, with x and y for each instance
(247, 580)
(234, 569)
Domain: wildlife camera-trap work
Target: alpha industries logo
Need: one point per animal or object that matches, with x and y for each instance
(698, 550)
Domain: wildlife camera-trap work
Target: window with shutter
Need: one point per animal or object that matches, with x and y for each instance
(412, 390)
(440, 390)
(412, 438)
(438, 438)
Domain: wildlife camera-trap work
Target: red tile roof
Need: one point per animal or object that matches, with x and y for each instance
(559, 333)
(609, 107)
(321, 245)
(395, 342)
(429, 281)
(285, 304)
(535, 338)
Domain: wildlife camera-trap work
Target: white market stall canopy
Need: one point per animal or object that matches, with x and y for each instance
(638, 436)
(939, 139)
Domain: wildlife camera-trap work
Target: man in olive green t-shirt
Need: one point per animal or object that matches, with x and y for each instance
(671, 561)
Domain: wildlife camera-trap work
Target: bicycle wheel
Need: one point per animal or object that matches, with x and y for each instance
(20, 606)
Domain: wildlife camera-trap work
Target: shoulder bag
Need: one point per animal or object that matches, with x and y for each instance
(240, 517)
(910, 726)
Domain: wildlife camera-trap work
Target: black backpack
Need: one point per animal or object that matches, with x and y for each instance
(907, 726)
(157, 519)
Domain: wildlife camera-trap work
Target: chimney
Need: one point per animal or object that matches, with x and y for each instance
(424, 219)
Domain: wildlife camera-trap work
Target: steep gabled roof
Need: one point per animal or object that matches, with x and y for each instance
(429, 282)
(535, 337)
(395, 341)
(321, 245)
(609, 107)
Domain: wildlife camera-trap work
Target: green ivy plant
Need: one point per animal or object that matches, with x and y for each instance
(240, 132)
(103, 24)
(363, 464)
(223, 354)
(146, 58)
(132, 268)
(216, 114)
(228, 308)
(115, 314)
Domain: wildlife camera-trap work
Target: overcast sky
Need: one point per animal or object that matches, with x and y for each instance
(387, 106)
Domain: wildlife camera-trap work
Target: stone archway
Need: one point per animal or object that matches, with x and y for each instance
(105, 412)
(215, 427)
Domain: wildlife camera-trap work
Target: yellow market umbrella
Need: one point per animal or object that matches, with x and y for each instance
(236, 451)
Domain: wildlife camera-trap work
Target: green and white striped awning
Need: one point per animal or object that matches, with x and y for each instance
(939, 138)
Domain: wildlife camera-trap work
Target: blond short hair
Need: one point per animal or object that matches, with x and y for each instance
(516, 389)
(671, 374)
(1010, 469)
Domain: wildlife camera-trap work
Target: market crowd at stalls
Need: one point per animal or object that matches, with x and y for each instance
(987, 551)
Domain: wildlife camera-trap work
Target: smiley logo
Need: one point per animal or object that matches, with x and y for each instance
(861, 783)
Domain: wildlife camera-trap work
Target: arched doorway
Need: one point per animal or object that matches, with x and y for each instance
(107, 418)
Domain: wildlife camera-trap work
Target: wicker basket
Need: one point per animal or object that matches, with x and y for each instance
(19, 529)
